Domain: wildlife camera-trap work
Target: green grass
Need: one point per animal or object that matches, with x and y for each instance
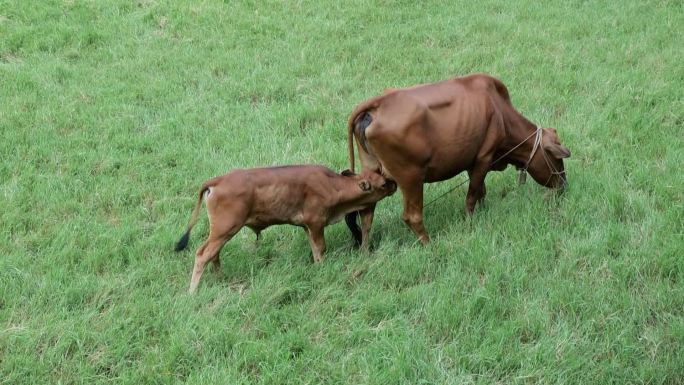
(112, 113)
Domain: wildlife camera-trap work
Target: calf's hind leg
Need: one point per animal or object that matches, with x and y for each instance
(209, 251)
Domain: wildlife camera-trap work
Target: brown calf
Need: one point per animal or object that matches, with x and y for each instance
(308, 196)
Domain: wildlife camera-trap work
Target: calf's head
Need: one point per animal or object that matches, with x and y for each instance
(546, 166)
(373, 188)
(372, 185)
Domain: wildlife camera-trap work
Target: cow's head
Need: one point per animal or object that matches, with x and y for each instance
(373, 183)
(546, 166)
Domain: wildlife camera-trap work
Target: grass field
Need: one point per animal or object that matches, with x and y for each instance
(112, 113)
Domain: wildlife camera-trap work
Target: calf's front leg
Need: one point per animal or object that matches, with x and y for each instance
(366, 223)
(316, 240)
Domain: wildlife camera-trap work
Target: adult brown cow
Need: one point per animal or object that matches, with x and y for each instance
(429, 133)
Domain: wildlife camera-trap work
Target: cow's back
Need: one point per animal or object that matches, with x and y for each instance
(439, 127)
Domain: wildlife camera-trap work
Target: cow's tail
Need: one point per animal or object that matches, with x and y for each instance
(351, 125)
(183, 242)
(350, 142)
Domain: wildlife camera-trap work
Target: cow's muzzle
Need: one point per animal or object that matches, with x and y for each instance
(561, 181)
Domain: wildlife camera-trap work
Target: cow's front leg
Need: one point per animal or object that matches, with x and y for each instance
(476, 187)
(366, 223)
(316, 240)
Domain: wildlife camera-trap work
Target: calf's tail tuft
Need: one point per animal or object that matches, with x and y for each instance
(183, 242)
(354, 228)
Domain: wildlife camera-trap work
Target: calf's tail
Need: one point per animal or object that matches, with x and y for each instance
(354, 228)
(183, 242)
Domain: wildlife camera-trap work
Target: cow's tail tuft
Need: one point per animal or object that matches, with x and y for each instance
(354, 228)
(183, 242)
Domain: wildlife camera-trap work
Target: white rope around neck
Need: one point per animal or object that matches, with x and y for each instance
(538, 133)
(537, 142)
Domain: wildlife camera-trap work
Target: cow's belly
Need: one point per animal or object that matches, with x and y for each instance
(440, 170)
(453, 153)
(440, 174)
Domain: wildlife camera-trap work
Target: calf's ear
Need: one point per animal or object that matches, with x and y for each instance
(557, 151)
(365, 185)
(347, 173)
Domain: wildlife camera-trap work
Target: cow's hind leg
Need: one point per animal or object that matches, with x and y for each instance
(412, 192)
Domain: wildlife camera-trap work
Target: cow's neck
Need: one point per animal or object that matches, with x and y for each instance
(520, 130)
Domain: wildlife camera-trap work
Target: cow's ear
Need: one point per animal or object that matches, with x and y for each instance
(347, 173)
(365, 185)
(557, 151)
